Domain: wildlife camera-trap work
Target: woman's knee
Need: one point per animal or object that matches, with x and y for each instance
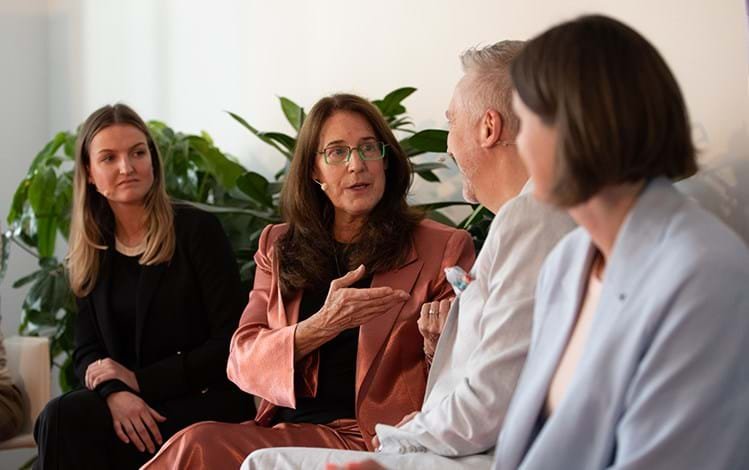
(79, 410)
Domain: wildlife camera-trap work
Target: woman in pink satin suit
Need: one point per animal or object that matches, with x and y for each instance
(329, 341)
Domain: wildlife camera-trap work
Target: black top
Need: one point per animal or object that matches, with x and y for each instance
(336, 379)
(123, 294)
(184, 314)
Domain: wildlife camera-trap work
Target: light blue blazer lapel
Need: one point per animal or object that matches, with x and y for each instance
(643, 229)
(546, 351)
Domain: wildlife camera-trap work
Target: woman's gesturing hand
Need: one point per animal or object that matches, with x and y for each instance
(134, 421)
(108, 369)
(346, 307)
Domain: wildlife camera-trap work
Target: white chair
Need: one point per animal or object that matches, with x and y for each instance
(29, 366)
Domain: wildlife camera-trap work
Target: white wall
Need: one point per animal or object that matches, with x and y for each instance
(23, 129)
(184, 62)
(181, 62)
(23, 120)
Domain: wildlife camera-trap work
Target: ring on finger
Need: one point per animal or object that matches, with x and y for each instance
(432, 311)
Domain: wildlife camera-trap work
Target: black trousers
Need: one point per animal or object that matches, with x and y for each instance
(75, 430)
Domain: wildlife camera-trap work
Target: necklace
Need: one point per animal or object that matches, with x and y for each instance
(126, 250)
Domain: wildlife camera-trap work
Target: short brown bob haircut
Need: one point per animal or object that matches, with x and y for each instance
(620, 115)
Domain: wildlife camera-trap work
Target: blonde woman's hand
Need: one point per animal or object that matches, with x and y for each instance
(134, 421)
(105, 369)
(347, 307)
(432, 321)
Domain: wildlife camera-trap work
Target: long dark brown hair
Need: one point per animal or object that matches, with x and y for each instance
(305, 252)
(618, 109)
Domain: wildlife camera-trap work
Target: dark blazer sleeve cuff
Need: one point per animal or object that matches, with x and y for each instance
(112, 386)
(163, 379)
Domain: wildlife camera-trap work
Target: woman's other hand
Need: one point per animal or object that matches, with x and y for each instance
(431, 322)
(105, 369)
(134, 421)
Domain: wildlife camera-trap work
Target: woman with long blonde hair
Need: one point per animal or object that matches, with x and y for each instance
(158, 297)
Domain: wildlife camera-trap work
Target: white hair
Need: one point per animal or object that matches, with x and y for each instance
(491, 85)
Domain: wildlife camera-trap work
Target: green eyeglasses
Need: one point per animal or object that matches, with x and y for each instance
(341, 154)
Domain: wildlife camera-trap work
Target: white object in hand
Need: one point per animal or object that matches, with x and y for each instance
(458, 278)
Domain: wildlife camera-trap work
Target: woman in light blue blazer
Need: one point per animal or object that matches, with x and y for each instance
(640, 347)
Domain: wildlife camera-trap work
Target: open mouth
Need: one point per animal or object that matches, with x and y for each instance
(359, 186)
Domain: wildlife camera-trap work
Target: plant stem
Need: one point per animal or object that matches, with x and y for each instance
(23, 247)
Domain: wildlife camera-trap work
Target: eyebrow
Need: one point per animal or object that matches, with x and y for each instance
(343, 142)
(131, 148)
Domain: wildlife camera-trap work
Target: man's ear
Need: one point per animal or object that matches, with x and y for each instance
(491, 128)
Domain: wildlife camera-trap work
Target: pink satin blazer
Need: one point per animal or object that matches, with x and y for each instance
(390, 367)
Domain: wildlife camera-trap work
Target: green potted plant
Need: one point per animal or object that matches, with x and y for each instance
(196, 171)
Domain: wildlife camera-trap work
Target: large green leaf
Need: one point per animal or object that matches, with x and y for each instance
(255, 186)
(43, 201)
(19, 199)
(48, 151)
(286, 141)
(4, 254)
(440, 205)
(401, 124)
(216, 163)
(267, 216)
(64, 196)
(429, 166)
(429, 176)
(69, 147)
(28, 278)
(430, 140)
(293, 112)
(260, 135)
(478, 212)
(68, 379)
(48, 294)
(42, 191)
(390, 105)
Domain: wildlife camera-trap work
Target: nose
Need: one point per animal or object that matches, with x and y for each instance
(356, 163)
(126, 167)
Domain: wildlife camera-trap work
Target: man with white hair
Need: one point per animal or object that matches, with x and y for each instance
(485, 339)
